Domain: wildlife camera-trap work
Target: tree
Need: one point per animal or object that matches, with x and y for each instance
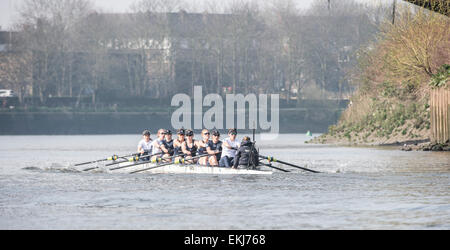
(49, 29)
(287, 23)
(16, 71)
(335, 33)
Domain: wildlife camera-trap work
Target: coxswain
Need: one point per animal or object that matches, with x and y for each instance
(214, 149)
(145, 145)
(167, 146)
(156, 145)
(201, 146)
(229, 147)
(247, 155)
(189, 147)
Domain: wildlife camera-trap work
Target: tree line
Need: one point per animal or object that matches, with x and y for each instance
(68, 48)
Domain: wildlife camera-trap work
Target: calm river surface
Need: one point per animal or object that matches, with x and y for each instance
(360, 188)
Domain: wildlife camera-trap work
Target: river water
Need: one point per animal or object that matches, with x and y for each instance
(359, 188)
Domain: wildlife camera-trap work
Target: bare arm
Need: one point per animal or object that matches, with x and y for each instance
(164, 149)
(209, 151)
(183, 148)
(225, 144)
(140, 149)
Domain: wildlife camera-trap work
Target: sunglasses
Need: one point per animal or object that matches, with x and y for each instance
(206, 133)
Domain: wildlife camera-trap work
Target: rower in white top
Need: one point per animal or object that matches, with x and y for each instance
(229, 147)
(145, 145)
(156, 145)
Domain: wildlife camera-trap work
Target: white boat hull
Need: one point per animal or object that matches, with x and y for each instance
(190, 169)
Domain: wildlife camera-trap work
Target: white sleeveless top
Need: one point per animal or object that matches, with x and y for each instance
(230, 152)
(146, 146)
(156, 149)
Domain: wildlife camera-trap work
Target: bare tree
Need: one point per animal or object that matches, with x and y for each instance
(243, 33)
(16, 72)
(286, 21)
(48, 29)
(151, 27)
(332, 39)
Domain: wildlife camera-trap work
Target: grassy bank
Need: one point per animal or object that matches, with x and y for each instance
(395, 74)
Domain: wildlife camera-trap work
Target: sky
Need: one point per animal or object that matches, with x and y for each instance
(8, 8)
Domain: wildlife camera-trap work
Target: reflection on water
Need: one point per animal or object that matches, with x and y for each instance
(360, 188)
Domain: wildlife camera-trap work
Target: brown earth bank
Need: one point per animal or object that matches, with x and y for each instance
(420, 142)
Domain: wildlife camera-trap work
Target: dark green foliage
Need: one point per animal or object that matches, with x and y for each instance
(441, 77)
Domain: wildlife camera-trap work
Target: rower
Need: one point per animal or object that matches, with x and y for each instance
(178, 142)
(145, 145)
(167, 146)
(247, 156)
(189, 147)
(229, 148)
(214, 149)
(201, 145)
(156, 145)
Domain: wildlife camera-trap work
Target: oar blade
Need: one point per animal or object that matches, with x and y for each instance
(270, 166)
(89, 162)
(287, 163)
(146, 169)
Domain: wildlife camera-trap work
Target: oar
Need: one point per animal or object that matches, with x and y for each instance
(145, 169)
(182, 161)
(286, 163)
(112, 158)
(133, 159)
(144, 162)
(270, 166)
(91, 168)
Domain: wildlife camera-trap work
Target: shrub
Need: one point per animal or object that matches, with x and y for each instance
(441, 77)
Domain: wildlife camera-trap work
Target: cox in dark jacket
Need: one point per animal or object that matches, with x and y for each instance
(247, 155)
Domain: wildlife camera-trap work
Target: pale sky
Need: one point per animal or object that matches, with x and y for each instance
(8, 8)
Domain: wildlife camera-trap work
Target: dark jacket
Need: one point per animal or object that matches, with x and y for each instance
(215, 146)
(169, 146)
(247, 155)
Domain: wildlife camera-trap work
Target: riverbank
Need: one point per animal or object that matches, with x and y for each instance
(420, 142)
(395, 78)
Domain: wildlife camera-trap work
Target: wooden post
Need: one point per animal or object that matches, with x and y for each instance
(447, 104)
(433, 115)
(440, 115)
(448, 117)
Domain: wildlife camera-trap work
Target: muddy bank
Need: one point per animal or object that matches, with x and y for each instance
(427, 146)
(419, 143)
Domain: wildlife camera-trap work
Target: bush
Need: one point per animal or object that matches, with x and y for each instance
(441, 77)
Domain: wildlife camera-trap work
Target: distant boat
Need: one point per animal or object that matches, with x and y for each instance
(308, 133)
